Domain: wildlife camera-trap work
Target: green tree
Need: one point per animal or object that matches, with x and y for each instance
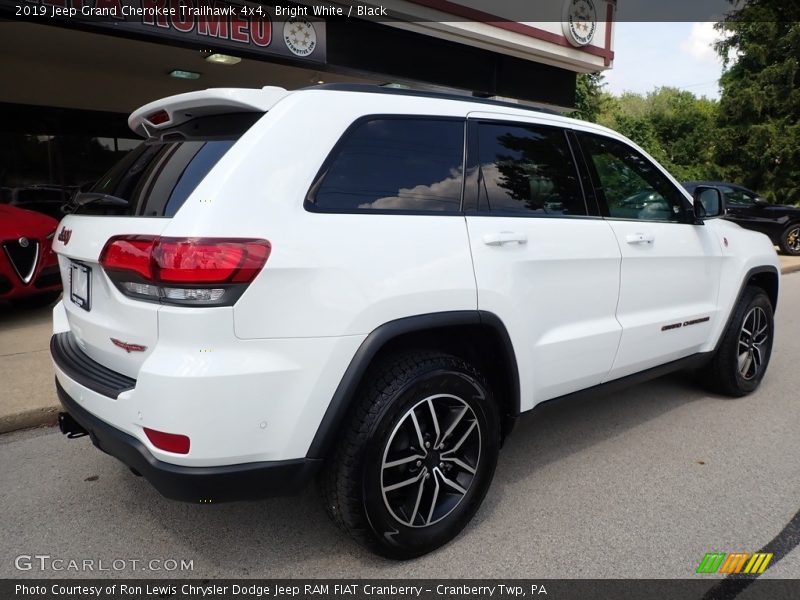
(674, 126)
(590, 98)
(684, 126)
(759, 114)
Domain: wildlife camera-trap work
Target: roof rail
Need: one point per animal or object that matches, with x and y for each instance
(377, 89)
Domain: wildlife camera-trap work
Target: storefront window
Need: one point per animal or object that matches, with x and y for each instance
(42, 172)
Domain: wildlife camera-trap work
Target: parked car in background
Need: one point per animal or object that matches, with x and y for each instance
(29, 273)
(778, 221)
(42, 198)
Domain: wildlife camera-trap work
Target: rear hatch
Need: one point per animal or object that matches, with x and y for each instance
(115, 325)
(101, 319)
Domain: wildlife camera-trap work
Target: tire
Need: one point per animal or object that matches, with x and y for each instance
(37, 301)
(790, 240)
(359, 483)
(741, 360)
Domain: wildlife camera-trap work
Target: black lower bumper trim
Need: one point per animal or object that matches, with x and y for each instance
(248, 481)
(70, 358)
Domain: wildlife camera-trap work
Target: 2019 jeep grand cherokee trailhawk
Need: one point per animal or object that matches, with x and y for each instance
(371, 285)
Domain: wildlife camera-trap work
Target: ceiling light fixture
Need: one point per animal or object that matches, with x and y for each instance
(181, 74)
(223, 59)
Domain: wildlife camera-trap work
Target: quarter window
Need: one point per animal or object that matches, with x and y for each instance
(396, 164)
(527, 169)
(632, 186)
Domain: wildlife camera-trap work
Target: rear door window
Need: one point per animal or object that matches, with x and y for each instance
(527, 170)
(408, 164)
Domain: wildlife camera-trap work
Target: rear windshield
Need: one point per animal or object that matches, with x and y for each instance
(157, 177)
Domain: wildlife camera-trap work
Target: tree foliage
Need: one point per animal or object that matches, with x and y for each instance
(759, 117)
(589, 97)
(751, 136)
(674, 126)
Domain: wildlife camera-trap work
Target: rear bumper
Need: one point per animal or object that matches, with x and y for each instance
(247, 481)
(68, 356)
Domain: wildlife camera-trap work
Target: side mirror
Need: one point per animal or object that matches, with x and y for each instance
(708, 203)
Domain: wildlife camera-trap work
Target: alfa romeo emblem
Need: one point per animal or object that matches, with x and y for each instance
(300, 36)
(23, 242)
(579, 21)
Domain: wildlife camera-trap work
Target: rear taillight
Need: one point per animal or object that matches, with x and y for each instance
(212, 261)
(184, 271)
(129, 253)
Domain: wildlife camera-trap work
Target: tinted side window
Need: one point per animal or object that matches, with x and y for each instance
(632, 186)
(527, 169)
(737, 196)
(395, 164)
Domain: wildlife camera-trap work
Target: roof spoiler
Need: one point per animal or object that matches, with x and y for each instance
(174, 110)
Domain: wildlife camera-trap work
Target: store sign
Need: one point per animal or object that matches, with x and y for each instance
(215, 24)
(579, 22)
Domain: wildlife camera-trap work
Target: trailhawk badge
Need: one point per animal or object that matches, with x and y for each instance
(300, 37)
(579, 21)
(128, 347)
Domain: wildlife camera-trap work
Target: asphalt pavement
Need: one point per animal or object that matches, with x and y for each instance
(642, 484)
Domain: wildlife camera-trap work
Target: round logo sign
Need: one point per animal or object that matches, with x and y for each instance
(579, 21)
(23, 242)
(300, 37)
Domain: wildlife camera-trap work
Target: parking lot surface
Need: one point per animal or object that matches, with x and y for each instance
(641, 483)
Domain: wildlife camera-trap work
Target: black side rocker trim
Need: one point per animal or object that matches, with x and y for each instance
(340, 403)
(694, 361)
(204, 485)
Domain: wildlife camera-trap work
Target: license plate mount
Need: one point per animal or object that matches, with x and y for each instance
(80, 285)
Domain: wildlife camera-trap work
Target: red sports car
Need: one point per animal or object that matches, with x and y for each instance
(29, 273)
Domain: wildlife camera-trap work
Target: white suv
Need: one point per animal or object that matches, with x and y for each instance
(372, 285)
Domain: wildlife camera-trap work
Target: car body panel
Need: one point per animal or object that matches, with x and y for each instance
(673, 278)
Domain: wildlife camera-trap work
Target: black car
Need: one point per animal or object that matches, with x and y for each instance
(745, 207)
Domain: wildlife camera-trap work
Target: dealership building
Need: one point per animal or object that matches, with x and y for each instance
(70, 77)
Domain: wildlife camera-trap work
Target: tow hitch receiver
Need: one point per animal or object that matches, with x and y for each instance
(70, 427)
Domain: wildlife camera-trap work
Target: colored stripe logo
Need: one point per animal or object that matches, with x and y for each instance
(735, 562)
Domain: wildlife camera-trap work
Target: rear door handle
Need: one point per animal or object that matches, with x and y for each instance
(504, 237)
(640, 238)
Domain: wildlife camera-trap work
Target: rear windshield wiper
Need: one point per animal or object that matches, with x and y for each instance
(82, 199)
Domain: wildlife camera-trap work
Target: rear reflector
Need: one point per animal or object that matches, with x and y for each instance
(187, 271)
(169, 442)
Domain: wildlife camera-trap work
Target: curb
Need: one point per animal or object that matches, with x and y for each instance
(38, 417)
(785, 270)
